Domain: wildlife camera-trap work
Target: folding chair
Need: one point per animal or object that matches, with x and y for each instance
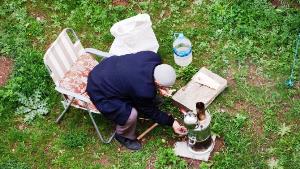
(69, 65)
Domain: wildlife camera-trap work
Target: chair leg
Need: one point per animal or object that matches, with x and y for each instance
(98, 132)
(63, 113)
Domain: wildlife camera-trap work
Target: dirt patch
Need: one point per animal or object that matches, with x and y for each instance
(286, 3)
(151, 163)
(22, 126)
(230, 77)
(285, 107)
(5, 69)
(297, 84)
(296, 96)
(257, 122)
(165, 14)
(254, 78)
(172, 142)
(192, 163)
(276, 3)
(103, 160)
(38, 14)
(120, 2)
(219, 146)
(255, 115)
(47, 148)
(240, 105)
(295, 5)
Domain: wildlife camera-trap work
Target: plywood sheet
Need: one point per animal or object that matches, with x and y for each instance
(204, 87)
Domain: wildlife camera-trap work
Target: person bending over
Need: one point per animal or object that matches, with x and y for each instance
(121, 87)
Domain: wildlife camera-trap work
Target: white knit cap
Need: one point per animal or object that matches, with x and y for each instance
(165, 75)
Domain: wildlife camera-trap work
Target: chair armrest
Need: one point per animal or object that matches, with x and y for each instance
(72, 94)
(97, 52)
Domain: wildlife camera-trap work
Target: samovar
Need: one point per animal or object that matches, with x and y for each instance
(199, 134)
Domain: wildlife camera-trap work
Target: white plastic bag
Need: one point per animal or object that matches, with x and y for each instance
(133, 35)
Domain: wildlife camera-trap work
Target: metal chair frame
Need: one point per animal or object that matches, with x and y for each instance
(57, 52)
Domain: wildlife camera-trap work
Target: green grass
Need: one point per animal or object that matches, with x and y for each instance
(248, 42)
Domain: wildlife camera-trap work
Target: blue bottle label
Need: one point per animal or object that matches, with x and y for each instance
(182, 53)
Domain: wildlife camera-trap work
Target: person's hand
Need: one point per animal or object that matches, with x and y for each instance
(182, 110)
(179, 129)
(166, 92)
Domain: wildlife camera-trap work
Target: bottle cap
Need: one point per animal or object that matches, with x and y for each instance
(178, 35)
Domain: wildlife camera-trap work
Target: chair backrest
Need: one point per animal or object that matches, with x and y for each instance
(62, 54)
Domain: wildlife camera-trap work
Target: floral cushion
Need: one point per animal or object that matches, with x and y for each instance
(75, 80)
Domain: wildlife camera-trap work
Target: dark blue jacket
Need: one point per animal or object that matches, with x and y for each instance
(119, 83)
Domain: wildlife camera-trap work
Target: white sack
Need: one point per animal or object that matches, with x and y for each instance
(133, 35)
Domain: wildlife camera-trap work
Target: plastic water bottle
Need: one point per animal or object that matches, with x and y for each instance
(182, 48)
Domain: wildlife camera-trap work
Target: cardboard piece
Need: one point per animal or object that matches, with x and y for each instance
(204, 87)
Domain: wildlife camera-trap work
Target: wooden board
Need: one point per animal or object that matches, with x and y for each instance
(204, 87)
